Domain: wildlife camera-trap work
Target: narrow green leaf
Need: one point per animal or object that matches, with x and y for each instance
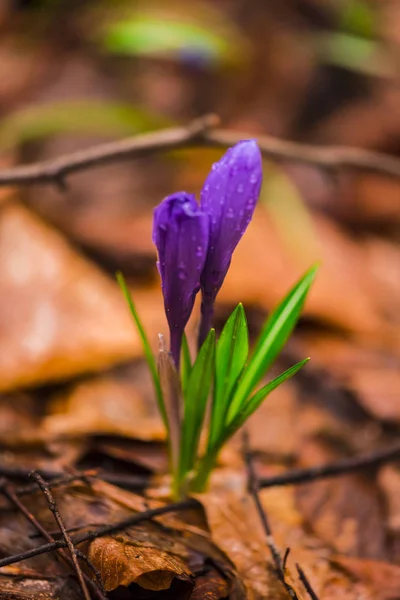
(271, 341)
(146, 347)
(195, 403)
(186, 363)
(230, 358)
(259, 397)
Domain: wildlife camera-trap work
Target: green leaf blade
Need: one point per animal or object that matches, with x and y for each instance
(274, 335)
(257, 399)
(231, 355)
(186, 363)
(195, 403)
(146, 348)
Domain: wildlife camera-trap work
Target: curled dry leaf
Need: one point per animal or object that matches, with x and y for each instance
(122, 561)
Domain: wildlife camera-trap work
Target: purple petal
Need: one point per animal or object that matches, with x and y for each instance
(180, 232)
(229, 197)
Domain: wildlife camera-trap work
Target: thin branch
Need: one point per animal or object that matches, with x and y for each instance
(253, 489)
(101, 531)
(11, 495)
(56, 477)
(55, 170)
(341, 467)
(43, 485)
(306, 583)
(200, 132)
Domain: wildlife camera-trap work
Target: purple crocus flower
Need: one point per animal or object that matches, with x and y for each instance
(229, 197)
(180, 233)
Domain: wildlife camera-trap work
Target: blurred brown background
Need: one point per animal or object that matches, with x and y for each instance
(77, 73)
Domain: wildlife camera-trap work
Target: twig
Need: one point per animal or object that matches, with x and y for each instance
(200, 132)
(253, 488)
(13, 498)
(306, 583)
(101, 531)
(132, 482)
(43, 485)
(341, 467)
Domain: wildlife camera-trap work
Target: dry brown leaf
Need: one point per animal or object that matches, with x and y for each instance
(346, 513)
(289, 531)
(236, 528)
(121, 562)
(378, 390)
(381, 578)
(104, 406)
(263, 270)
(60, 315)
(210, 586)
(30, 588)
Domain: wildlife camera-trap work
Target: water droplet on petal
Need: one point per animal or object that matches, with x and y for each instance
(250, 204)
(229, 213)
(207, 187)
(182, 275)
(199, 251)
(254, 177)
(240, 188)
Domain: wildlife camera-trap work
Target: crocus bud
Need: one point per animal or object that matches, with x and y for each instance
(180, 233)
(229, 197)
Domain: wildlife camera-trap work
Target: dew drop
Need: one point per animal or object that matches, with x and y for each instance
(199, 251)
(182, 275)
(240, 188)
(253, 177)
(207, 187)
(229, 213)
(250, 204)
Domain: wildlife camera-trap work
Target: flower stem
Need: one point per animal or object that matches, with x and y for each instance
(206, 465)
(207, 314)
(176, 343)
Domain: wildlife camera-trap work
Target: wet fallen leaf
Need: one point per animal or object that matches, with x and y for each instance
(122, 561)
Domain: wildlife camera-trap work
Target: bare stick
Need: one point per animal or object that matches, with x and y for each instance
(253, 489)
(306, 583)
(132, 482)
(43, 485)
(13, 498)
(341, 467)
(101, 531)
(200, 132)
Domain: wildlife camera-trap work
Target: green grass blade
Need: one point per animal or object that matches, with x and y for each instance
(146, 348)
(271, 340)
(195, 403)
(259, 397)
(231, 355)
(186, 363)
